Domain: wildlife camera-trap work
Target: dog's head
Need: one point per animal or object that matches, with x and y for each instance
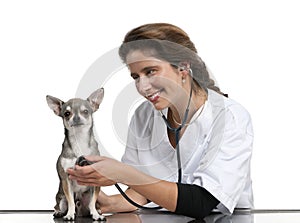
(76, 112)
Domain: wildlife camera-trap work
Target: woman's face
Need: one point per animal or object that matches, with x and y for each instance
(156, 80)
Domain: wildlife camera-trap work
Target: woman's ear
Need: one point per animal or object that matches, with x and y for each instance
(184, 66)
(184, 69)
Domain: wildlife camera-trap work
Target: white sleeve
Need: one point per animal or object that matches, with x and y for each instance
(225, 168)
(130, 156)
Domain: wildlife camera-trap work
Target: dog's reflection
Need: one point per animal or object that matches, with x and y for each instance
(114, 218)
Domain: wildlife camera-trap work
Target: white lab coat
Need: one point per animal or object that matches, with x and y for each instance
(215, 150)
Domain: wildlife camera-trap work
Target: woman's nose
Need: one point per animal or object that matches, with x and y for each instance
(144, 84)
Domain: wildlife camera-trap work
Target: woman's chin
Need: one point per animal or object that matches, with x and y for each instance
(160, 105)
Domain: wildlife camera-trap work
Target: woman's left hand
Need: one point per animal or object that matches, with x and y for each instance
(104, 172)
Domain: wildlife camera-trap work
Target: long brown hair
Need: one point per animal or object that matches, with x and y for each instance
(172, 44)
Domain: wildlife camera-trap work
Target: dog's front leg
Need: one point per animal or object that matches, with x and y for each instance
(60, 208)
(92, 205)
(70, 198)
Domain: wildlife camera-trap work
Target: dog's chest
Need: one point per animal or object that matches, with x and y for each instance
(67, 163)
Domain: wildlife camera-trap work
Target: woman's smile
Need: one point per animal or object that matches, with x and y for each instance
(154, 97)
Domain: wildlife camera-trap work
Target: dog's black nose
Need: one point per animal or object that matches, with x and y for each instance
(82, 161)
(76, 119)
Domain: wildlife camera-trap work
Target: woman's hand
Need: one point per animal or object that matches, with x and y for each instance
(104, 172)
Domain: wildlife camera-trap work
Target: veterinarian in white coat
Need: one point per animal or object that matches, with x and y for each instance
(209, 167)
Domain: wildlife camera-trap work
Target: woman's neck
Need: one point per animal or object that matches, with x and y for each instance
(178, 112)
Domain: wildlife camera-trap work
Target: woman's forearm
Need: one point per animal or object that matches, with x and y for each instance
(161, 192)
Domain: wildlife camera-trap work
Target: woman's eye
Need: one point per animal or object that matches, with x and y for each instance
(151, 72)
(135, 76)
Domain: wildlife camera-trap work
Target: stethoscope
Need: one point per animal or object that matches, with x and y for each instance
(177, 138)
(177, 133)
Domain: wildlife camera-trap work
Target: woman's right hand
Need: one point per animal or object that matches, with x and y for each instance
(104, 201)
(116, 203)
(103, 172)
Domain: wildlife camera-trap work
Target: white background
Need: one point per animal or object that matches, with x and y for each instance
(252, 48)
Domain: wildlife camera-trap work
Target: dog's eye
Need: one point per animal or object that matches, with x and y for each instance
(67, 114)
(85, 111)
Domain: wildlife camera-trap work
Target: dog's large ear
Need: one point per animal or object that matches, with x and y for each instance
(55, 104)
(96, 98)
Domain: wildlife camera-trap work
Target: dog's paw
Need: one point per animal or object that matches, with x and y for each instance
(58, 214)
(98, 217)
(69, 217)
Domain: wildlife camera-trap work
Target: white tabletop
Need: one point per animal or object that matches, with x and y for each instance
(262, 216)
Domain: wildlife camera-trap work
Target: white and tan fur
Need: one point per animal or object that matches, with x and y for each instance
(71, 198)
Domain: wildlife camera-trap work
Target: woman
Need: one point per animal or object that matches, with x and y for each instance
(201, 161)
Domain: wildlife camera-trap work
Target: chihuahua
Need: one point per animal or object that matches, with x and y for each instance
(73, 199)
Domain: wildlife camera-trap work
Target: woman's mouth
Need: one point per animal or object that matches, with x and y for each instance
(154, 97)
